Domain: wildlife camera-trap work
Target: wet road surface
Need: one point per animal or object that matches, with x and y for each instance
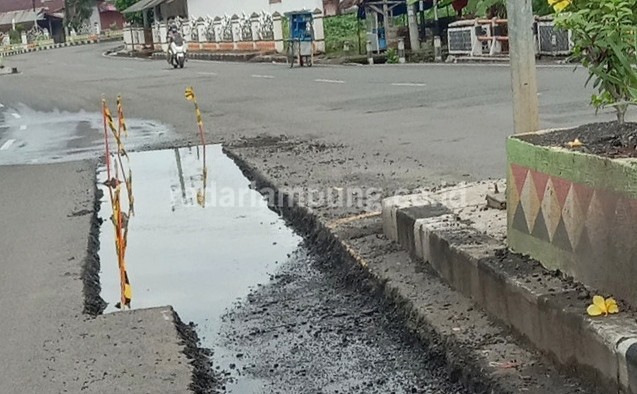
(278, 318)
(28, 136)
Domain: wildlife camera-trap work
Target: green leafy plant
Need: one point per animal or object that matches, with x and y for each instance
(15, 36)
(604, 35)
(483, 8)
(392, 56)
(541, 8)
(136, 17)
(341, 29)
(78, 12)
(487, 8)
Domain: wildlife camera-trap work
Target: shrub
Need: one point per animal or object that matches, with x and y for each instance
(15, 37)
(343, 28)
(604, 34)
(392, 56)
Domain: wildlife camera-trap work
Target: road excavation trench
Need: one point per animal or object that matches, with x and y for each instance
(276, 316)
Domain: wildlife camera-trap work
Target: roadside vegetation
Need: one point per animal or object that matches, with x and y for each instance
(342, 29)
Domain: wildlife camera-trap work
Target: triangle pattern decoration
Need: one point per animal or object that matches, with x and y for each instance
(551, 209)
(530, 202)
(573, 217)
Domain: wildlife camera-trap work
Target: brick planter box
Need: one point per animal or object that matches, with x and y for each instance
(575, 212)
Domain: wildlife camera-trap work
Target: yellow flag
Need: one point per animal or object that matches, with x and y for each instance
(190, 94)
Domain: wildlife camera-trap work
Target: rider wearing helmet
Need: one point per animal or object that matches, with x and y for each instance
(173, 35)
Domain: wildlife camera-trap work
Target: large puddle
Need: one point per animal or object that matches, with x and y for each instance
(33, 137)
(199, 260)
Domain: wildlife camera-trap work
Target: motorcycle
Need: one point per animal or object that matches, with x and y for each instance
(177, 53)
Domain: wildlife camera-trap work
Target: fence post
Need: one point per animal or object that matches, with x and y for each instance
(201, 33)
(156, 37)
(277, 20)
(216, 25)
(437, 49)
(163, 33)
(401, 51)
(370, 56)
(254, 25)
(127, 37)
(319, 30)
(236, 31)
(187, 30)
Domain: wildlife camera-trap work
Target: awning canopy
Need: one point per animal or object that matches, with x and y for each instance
(22, 16)
(142, 5)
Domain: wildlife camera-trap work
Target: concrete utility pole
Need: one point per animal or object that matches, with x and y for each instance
(414, 38)
(523, 75)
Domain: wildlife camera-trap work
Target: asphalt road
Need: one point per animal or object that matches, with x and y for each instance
(452, 119)
(385, 127)
(48, 344)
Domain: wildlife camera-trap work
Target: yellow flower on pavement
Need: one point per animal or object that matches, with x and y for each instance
(602, 306)
(560, 5)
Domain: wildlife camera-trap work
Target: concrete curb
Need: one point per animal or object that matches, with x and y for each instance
(543, 308)
(247, 57)
(51, 46)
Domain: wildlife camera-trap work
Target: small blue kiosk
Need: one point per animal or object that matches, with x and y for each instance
(300, 44)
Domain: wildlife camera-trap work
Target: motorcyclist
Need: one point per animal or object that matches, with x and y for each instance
(173, 36)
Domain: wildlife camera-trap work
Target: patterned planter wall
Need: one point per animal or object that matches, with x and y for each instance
(575, 212)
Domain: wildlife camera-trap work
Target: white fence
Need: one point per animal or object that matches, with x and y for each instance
(255, 32)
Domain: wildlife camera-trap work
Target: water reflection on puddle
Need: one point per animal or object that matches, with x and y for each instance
(199, 260)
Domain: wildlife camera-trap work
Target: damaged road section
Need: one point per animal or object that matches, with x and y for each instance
(277, 317)
(315, 328)
(483, 355)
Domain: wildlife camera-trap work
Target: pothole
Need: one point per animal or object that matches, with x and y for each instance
(277, 317)
(200, 260)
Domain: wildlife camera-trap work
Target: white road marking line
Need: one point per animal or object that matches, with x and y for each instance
(1, 105)
(17, 116)
(408, 84)
(7, 145)
(23, 127)
(207, 73)
(328, 81)
(262, 76)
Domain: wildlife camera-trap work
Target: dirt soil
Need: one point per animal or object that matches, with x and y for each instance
(604, 139)
(311, 331)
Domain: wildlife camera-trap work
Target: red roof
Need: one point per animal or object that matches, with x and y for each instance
(17, 5)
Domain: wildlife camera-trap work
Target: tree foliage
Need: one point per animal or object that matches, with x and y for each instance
(136, 17)
(497, 8)
(341, 29)
(604, 35)
(78, 12)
